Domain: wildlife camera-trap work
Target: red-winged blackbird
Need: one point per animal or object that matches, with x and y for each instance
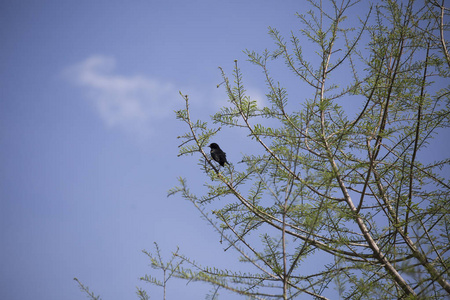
(217, 154)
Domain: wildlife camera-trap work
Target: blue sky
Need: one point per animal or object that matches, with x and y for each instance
(88, 146)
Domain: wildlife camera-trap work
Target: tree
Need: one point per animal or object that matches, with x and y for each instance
(353, 192)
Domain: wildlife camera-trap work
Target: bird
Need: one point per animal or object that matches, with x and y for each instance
(218, 155)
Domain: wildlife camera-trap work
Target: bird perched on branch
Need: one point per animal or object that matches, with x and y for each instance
(217, 154)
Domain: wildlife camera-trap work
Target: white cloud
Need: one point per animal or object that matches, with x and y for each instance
(258, 96)
(132, 103)
(137, 104)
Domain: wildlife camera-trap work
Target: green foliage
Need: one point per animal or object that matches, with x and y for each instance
(86, 290)
(351, 193)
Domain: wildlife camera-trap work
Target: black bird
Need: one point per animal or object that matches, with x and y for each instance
(217, 154)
